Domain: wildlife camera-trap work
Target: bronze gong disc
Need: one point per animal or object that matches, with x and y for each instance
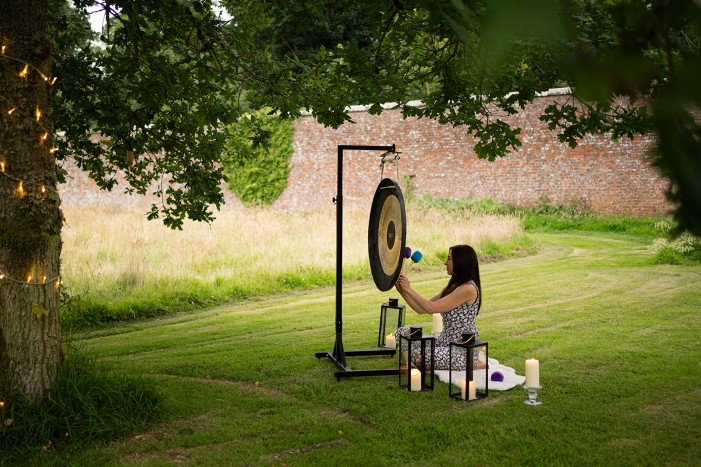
(387, 234)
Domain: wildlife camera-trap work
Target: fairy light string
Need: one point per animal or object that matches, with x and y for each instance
(44, 137)
(27, 66)
(41, 188)
(37, 114)
(32, 280)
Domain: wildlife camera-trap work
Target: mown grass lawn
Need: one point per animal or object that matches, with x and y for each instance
(617, 338)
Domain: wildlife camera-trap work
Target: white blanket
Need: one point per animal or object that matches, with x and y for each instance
(511, 379)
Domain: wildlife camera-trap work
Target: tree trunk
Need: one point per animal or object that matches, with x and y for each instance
(30, 215)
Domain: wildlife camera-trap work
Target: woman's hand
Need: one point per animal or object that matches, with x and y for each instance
(402, 283)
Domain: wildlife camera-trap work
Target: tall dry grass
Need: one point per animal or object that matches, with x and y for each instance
(109, 254)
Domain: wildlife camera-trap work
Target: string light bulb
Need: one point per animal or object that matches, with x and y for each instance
(44, 136)
(2, 166)
(43, 189)
(29, 279)
(3, 49)
(38, 114)
(53, 150)
(24, 72)
(20, 188)
(11, 111)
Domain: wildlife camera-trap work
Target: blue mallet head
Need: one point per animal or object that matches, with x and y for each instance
(407, 252)
(416, 256)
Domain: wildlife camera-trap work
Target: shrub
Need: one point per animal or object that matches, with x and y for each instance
(679, 250)
(257, 157)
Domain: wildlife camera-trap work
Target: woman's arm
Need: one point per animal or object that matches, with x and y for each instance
(462, 294)
(410, 300)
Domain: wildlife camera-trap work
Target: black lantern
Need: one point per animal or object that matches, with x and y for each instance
(416, 376)
(392, 315)
(471, 354)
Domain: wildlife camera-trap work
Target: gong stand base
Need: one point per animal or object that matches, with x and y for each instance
(338, 355)
(339, 358)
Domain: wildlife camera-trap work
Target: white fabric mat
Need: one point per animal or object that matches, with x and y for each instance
(511, 379)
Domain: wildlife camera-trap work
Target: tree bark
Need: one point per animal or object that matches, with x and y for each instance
(30, 214)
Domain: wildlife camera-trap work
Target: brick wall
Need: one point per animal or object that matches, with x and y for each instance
(608, 177)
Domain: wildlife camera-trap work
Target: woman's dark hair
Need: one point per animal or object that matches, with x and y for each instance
(465, 269)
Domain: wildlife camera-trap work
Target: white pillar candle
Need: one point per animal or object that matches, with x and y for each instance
(472, 391)
(437, 323)
(415, 380)
(532, 373)
(391, 341)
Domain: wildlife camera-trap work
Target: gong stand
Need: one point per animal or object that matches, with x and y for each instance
(339, 354)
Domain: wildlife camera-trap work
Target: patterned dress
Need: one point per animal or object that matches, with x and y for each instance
(455, 322)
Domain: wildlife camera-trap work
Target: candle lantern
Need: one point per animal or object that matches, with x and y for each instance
(472, 355)
(391, 318)
(416, 374)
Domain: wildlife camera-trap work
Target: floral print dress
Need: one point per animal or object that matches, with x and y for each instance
(455, 322)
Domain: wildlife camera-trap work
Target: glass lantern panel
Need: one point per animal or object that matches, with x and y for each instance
(416, 363)
(469, 377)
(391, 318)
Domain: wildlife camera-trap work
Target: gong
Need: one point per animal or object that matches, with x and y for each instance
(387, 234)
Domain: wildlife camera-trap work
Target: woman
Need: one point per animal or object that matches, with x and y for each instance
(459, 302)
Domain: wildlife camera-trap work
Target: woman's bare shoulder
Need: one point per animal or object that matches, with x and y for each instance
(468, 290)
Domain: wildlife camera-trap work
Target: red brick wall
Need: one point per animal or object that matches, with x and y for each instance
(606, 176)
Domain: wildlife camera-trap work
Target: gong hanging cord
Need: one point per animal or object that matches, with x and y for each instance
(389, 158)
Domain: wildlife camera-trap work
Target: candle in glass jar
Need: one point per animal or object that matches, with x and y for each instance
(532, 373)
(437, 323)
(415, 380)
(391, 341)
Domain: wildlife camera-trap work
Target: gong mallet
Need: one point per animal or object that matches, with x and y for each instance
(407, 255)
(415, 258)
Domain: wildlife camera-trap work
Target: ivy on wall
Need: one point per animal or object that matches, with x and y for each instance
(257, 157)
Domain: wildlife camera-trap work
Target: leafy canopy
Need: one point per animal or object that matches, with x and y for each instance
(171, 74)
(631, 65)
(159, 90)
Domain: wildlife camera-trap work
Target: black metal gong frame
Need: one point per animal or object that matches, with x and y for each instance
(338, 355)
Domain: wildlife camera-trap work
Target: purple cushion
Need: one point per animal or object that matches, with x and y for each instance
(497, 376)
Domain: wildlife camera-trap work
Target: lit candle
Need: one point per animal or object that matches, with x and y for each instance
(532, 373)
(437, 323)
(391, 341)
(415, 380)
(468, 391)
